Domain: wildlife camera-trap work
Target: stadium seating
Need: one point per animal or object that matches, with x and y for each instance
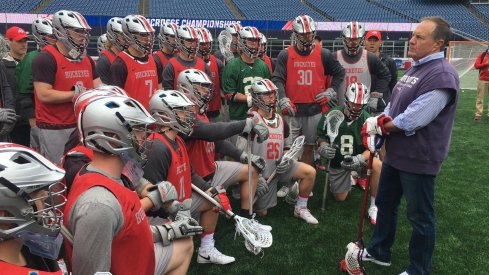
(482, 8)
(95, 7)
(198, 9)
(453, 10)
(18, 6)
(282, 10)
(358, 10)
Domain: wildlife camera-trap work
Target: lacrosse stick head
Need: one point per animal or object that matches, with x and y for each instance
(295, 150)
(225, 39)
(256, 235)
(353, 259)
(333, 121)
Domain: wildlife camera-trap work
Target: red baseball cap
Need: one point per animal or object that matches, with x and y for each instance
(374, 34)
(16, 33)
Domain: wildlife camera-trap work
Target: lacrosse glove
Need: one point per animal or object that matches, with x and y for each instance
(257, 161)
(254, 127)
(354, 163)
(178, 229)
(327, 151)
(262, 187)
(283, 166)
(161, 193)
(328, 97)
(288, 108)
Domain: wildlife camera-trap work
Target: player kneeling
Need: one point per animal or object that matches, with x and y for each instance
(264, 99)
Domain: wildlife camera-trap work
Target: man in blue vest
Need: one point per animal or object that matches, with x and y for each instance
(417, 126)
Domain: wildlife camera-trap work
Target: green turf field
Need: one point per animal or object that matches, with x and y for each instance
(462, 194)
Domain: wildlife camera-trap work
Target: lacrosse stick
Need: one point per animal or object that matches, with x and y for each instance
(250, 189)
(294, 152)
(256, 235)
(353, 258)
(332, 125)
(225, 39)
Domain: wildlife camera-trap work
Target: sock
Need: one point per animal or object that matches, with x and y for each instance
(207, 239)
(245, 213)
(301, 202)
(372, 201)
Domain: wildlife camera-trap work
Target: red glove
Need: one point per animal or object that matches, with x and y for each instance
(224, 201)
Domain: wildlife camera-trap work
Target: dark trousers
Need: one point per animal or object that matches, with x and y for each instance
(21, 134)
(419, 191)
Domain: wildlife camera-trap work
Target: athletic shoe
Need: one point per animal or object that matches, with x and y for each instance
(210, 255)
(477, 117)
(372, 214)
(283, 191)
(311, 194)
(361, 183)
(404, 273)
(369, 258)
(305, 214)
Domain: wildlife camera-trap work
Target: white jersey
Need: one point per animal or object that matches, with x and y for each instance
(272, 148)
(354, 72)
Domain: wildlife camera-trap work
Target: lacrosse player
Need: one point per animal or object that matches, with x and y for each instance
(169, 160)
(167, 41)
(301, 73)
(264, 96)
(30, 216)
(105, 216)
(115, 44)
(208, 138)
(362, 66)
(233, 29)
(347, 153)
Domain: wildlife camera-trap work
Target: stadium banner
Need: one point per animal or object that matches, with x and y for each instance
(156, 22)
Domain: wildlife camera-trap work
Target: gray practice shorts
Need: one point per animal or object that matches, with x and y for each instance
(162, 256)
(269, 200)
(304, 125)
(340, 180)
(225, 174)
(52, 143)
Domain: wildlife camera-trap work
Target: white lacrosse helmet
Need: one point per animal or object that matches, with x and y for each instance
(263, 44)
(304, 30)
(249, 34)
(167, 31)
(205, 41)
(173, 109)
(136, 29)
(71, 28)
(353, 35)
(107, 90)
(197, 86)
(101, 42)
(114, 32)
(187, 33)
(234, 28)
(42, 30)
(264, 95)
(23, 172)
(107, 124)
(357, 96)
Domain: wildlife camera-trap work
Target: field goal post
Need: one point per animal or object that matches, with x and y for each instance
(462, 55)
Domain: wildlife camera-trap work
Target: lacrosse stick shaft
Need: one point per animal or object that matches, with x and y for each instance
(250, 184)
(326, 182)
(67, 234)
(365, 196)
(212, 200)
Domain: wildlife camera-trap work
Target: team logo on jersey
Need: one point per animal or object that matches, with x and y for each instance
(77, 74)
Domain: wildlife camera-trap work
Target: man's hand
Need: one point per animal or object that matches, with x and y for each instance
(354, 163)
(161, 193)
(255, 126)
(262, 187)
(7, 116)
(288, 108)
(257, 161)
(327, 151)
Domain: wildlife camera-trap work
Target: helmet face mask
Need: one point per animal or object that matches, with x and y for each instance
(167, 35)
(114, 33)
(42, 30)
(173, 109)
(197, 86)
(263, 45)
(234, 30)
(101, 43)
(304, 32)
(357, 96)
(205, 43)
(31, 193)
(264, 95)
(353, 38)
(249, 41)
(187, 40)
(73, 31)
(138, 33)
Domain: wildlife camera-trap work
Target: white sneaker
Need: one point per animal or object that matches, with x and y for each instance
(305, 214)
(404, 273)
(283, 191)
(210, 255)
(372, 214)
(311, 194)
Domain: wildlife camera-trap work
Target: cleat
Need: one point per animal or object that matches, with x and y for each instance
(210, 255)
(372, 214)
(305, 214)
(283, 191)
